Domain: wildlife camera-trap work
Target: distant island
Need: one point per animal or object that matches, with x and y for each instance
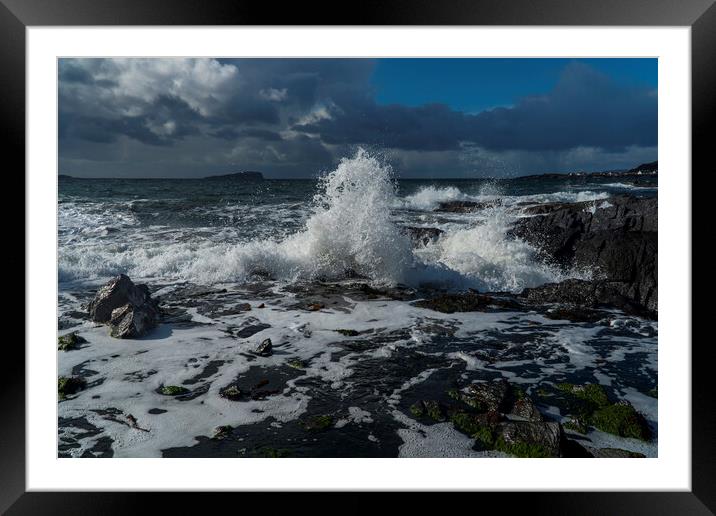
(64, 176)
(241, 176)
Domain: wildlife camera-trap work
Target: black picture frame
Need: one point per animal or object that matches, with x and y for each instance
(700, 15)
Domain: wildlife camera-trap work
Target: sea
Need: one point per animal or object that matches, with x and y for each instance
(206, 248)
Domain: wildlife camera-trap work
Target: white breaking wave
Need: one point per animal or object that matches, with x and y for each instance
(350, 231)
(430, 197)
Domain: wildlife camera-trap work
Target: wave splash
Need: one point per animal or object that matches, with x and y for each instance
(349, 233)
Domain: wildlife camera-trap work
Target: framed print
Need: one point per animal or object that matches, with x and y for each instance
(417, 250)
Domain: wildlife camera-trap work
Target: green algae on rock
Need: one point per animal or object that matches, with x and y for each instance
(173, 390)
(67, 385)
(69, 341)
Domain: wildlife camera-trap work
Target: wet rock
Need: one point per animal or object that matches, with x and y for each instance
(577, 424)
(466, 206)
(232, 393)
(616, 237)
(525, 408)
(488, 396)
(69, 341)
(434, 410)
(317, 423)
(126, 307)
(129, 322)
(222, 432)
(264, 349)
(347, 333)
(598, 410)
(470, 301)
(68, 385)
(172, 390)
(422, 236)
(621, 419)
(529, 439)
(580, 296)
(576, 314)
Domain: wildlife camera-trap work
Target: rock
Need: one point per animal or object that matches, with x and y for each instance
(529, 439)
(69, 341)
(222, 432)
(130, 322)
(576, 314)
(466, 206)
(173, 390)
(232, 393)
(422, 236)
(525, 408)
(347, 333)
(470, 301)
(264, 349)
(577, 424)
(488, 396)
(597, 409)
(317, 423)
(434, 410)
(126, 307)
(67, 385)
(580, 296)
(616, 237)
(623, 420)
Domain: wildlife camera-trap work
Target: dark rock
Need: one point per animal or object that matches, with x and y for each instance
(618, 242)
(69, 341)
(579, 296)
(126, 307)
(130, 322)
(173, 390)
(470, 301)
(422, 236)
(529, 439)
(222, 432)
(525, 408)
(466, 206)
(67, 385)
(575, 314)
(264, 349)
(435, 410)
(488, 396)
(317, 423)
(232, 393)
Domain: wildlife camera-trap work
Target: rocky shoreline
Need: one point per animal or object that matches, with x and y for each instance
(391, 398)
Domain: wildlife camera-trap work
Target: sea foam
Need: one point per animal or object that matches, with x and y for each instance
(350, 232)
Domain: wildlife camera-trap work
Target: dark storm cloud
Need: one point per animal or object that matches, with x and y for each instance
(585, 109)
(298, 116)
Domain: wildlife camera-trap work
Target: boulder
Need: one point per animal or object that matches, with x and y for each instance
(127, 308)
(529, 438)
(579, 298)
(616, 239)
(264, 349)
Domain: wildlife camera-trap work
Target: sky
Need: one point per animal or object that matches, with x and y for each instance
(431, 118)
